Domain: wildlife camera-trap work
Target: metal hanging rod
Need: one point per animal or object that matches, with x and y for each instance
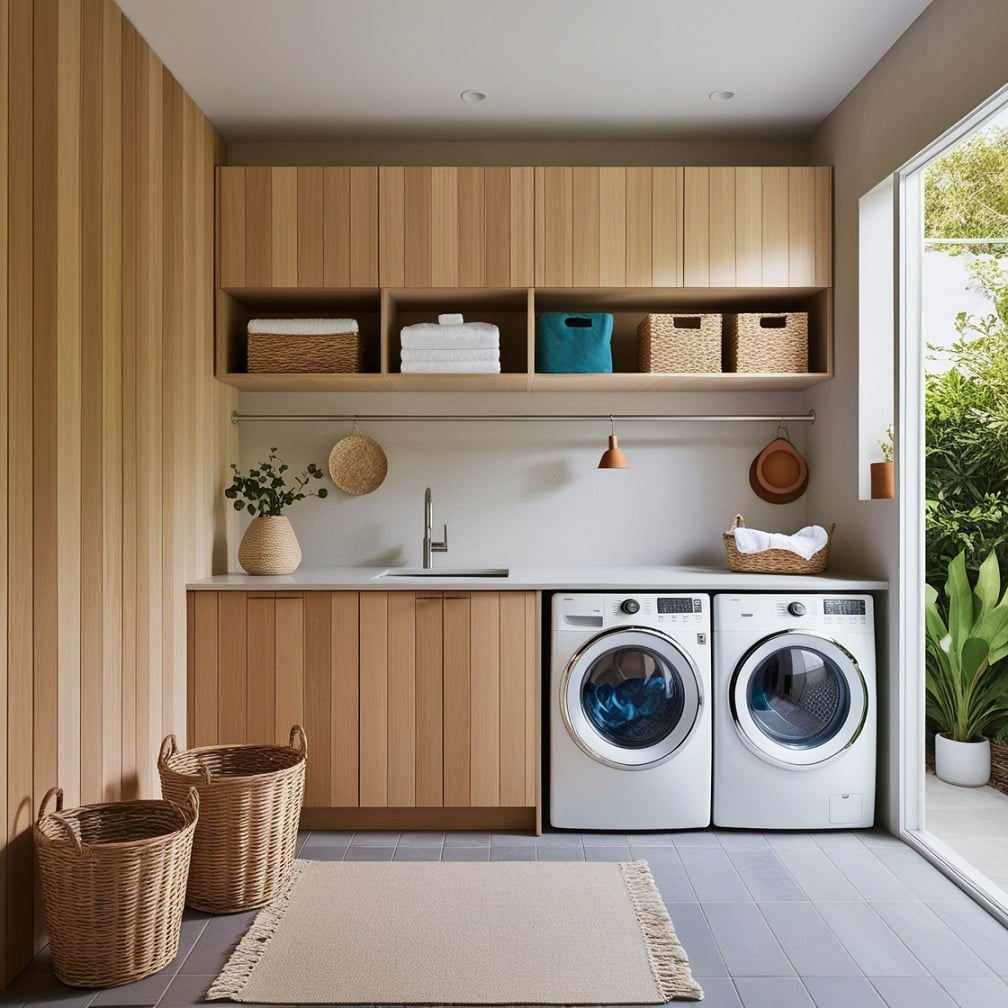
(809, 417)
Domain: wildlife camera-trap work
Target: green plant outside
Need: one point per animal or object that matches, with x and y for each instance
(265, 491)
(966, 643)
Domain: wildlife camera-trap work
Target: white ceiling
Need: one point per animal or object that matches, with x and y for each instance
(553, 69)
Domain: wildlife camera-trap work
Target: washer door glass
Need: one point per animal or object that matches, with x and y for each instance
(631, 697)
(798, 699)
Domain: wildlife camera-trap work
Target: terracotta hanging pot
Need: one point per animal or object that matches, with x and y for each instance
(779, 474)
(269, 546)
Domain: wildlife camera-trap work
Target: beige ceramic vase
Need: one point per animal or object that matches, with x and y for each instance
(269, 546)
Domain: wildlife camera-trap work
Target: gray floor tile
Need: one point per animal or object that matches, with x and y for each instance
(559, 839)
(147, 991)
(733, 839)
(870, 876)
(694, 933)
(712, 874)
(219, 937)
(610, 839)
(976, 992)
(610, 853)
(923, 879)
(746, 942)
(329, 838)
(326, 853)
(831, 839)
(869, 941)
(513, 840)
(913, 992)
(764, 875)
(421, 838)
(22, 989)
(467, 839)
(407, 853)
(773, 992)
(368, 852)
(879, 838)
(843, 992)
(808, 942)
(466, 853)
(564, 853)
(53, 994)
(186, 990)
(719, 992)
(695, 838)
(375, 838)
(930, 940)
(648, 839)
(981, 932)
(525, 853)
(669, 874)
(786, 840)
(813, 869)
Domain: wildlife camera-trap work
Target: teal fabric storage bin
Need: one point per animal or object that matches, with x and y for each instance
(569, 343)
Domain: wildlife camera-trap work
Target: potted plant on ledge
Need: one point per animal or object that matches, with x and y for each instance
(966, 675)
(269, 545)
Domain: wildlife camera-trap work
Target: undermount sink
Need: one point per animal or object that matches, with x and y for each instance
(445, 572)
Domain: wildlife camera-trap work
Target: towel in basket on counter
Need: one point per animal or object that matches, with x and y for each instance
(806, 542)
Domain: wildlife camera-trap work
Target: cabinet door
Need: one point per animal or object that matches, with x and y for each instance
(608, 227)
(455, 227)
(757, 227)
(298, 227)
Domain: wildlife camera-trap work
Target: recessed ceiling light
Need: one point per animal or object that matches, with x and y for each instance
(469, 95)
(721, 95)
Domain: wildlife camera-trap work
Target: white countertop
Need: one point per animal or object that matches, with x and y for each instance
(557, 578)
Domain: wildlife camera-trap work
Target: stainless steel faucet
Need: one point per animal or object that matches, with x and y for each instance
(429, 546)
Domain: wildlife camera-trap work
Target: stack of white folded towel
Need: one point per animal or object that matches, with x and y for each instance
(303, 326)
(450, 346)
(805, 542)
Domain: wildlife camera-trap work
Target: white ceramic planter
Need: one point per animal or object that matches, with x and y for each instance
(964, 763)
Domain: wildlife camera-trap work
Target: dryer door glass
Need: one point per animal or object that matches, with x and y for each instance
(630, 697)
(799, 697)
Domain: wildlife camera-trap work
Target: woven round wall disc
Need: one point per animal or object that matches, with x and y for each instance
(357, 464)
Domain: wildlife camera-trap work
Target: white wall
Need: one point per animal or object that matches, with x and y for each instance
(946, 64)
(530, 493)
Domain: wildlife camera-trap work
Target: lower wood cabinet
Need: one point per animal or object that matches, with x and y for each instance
(421, 708)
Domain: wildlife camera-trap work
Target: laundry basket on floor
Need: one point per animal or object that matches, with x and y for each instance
(250, 801)
(114, 885)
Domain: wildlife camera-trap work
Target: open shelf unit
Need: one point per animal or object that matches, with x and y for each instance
(382, 312)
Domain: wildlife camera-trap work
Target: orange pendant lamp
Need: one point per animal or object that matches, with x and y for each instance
(613, 457)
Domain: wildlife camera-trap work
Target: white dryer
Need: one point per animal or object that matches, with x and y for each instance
(630, 718)
(794, 703)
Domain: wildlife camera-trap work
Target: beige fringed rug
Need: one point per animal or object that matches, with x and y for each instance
(461, 933)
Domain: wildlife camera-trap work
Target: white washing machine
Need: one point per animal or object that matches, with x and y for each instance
(630, 719)
(794, 711)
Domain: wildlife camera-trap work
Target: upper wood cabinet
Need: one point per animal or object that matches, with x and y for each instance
(455, 227)
(298, 227)
(608, 227)
(757, 227)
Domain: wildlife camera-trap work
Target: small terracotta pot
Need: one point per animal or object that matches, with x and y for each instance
(883, 480)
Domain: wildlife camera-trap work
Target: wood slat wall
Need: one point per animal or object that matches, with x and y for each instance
(114, 433)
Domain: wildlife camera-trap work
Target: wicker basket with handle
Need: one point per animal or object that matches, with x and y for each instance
(679, 343)
(773, 561)
(766, 342)
(114, 885)
(250, 801)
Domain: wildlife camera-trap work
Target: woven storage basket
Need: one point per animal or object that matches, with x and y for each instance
(280, 353)
(250, 802)
(113, 886)
(773, 561)
(775, 342)
(679, 343)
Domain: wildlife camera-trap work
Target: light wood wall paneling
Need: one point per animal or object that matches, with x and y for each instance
(373, 696)
(233, 238)
(363, 216)
(345, 699)
(748, 226)
(416, 223)
(4, 461)
(445, 224)
(471, 233)
(110, 395)
(517, 743)
(429, 700)
(823, 226)
(667, 226)
(586, 222)
(259, 227)
(310, 220)
(335, 219)
(130, 404)
(456, 630)
(402, 692)
(283, 227)
(639, 229)
(522, 230)
(391, 227)
(696, 235)
(533, 704)
(20, 793)
(485, 698)
(721, 227)
(554, 221)
(208, 685)
(775, 226)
